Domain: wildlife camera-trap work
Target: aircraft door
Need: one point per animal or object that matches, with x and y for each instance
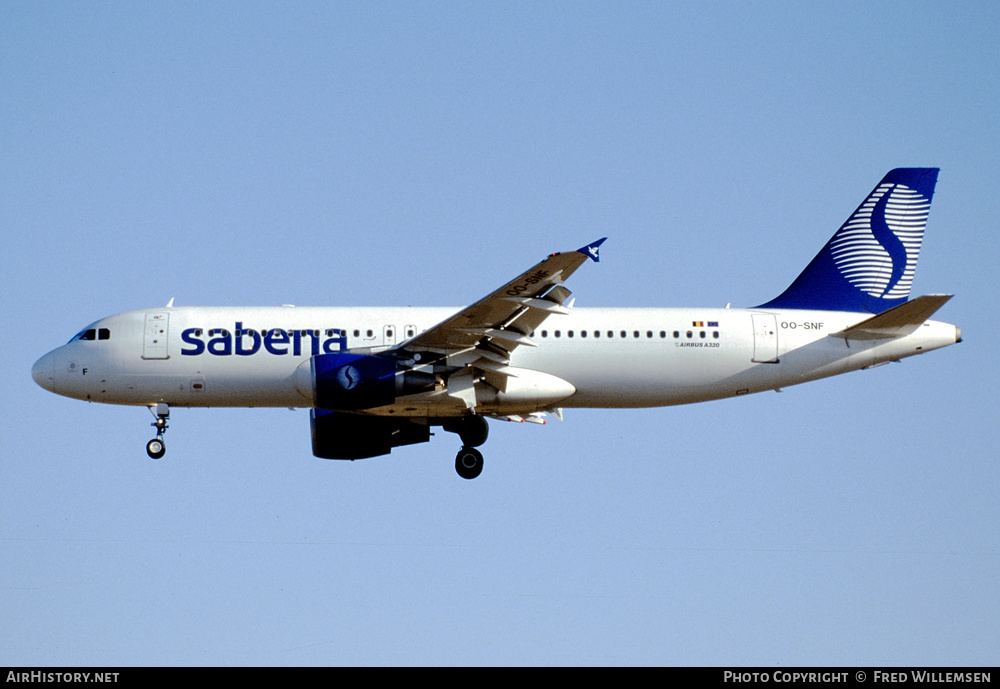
(154, 340)
(765, 338)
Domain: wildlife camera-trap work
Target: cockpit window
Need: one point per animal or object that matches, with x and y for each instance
(93, 334)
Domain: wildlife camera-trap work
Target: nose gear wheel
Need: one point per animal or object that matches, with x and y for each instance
(156, 448)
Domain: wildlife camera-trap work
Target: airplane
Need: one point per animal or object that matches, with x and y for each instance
(377, 378)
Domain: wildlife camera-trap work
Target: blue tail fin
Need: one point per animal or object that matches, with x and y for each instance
(868, 265)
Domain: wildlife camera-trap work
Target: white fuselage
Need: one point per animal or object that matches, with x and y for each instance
(610, 357)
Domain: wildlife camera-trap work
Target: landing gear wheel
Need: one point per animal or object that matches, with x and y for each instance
(155, 448)
(474, 430)
(469, 463)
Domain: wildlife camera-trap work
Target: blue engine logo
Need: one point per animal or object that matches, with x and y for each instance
(348, 377)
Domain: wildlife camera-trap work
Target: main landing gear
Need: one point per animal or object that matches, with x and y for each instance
(469, 462)
(155, 448)
(473, 430)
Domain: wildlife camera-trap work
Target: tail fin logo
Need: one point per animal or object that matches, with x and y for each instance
(877, 248)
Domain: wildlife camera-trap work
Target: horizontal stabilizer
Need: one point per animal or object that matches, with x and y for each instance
(898, 321)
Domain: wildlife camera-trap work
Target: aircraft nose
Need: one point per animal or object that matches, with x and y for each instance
(44, 373)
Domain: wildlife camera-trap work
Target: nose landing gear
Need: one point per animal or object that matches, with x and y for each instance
(156, 448)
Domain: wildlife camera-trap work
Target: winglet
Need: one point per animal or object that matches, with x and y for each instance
(591, 250)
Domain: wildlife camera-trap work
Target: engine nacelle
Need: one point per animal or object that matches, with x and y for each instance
(362, 381)
(337, 435)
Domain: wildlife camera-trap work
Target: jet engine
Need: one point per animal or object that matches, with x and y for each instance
(337, 435)
(346, 381)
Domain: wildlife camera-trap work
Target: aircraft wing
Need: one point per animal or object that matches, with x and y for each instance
(483, 335)
(505, 318)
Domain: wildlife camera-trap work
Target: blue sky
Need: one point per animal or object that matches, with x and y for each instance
(423, 153)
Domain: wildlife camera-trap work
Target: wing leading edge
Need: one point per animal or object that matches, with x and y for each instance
(479, 339)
